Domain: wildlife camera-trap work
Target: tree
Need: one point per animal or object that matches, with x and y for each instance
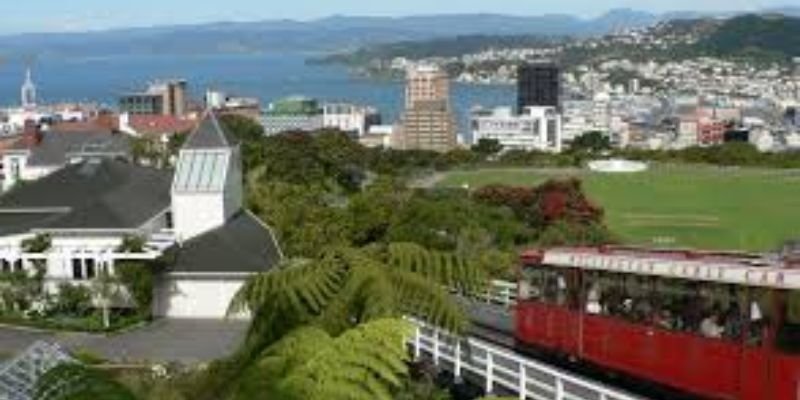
(366, 362)
(71, 381)
(346, 287)
(591, 142)
(107, 290)
(487, 147)
(251, 138)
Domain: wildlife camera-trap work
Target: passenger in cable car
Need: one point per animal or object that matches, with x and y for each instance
(711, 327)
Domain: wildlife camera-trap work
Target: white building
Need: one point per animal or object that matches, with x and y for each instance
(194, 215)
(537, 128)
(349, 117)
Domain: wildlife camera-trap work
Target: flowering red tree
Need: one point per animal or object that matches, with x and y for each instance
(557, 204)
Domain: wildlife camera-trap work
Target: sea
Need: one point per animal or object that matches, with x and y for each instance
(264, 76)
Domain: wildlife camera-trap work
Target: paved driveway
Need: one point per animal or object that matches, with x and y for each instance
(185, 341)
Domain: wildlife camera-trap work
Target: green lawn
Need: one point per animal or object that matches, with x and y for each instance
(702, 207)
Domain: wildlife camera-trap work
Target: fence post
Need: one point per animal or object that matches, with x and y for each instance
(436, 346)
(523, 382)
(489, 372)
(417, 344)
(559, 389)
(457, 361)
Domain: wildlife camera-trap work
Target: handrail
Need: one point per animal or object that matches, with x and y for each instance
(504, 368)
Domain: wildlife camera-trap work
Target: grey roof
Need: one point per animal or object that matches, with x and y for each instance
(56, 148)
(210, 134)
(100, 194)
(243, 245)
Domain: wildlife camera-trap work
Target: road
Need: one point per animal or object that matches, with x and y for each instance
(182, 341)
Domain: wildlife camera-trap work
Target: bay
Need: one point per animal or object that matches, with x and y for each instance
(264, 76)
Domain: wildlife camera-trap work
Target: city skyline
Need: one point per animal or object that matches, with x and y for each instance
(84, 15)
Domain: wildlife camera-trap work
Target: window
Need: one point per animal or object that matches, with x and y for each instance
(18, 266)
(758, 309)
(6, 266)
(90, 269)
(77, 269)
(530, 285)
(788, 339)
(549, 285)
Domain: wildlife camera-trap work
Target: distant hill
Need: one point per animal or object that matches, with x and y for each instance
(766, 35)
(333, 34)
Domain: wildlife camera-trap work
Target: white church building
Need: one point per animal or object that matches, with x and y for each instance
(194, 215)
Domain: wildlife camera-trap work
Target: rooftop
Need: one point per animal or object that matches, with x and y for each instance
(243, 245)
(56, 147)
(100, 194)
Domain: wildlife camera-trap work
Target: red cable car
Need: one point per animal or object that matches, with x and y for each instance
(715, 325)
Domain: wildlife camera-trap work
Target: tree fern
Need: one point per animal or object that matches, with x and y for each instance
(346, 286)
(445, 268)
(367, 362)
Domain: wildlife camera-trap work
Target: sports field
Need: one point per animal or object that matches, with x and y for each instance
(702, 207)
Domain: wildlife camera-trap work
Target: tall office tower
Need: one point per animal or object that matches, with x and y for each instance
(428, 122)
(538, 85)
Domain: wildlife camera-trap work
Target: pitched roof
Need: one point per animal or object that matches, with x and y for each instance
(160, 124)
(243, 245)
(107, 194)
(210, 134)
(56, 147)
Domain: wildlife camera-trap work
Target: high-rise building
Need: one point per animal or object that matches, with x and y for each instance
(538, 85)
(160, 98)
(428, 122)
(28, 91)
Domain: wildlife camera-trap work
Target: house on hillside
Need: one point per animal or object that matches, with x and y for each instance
(194, 215)
(38, 153)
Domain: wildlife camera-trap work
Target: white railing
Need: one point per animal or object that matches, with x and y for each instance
(504, 369)
(501, 293)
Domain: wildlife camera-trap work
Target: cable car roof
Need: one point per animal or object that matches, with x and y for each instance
(727, 268)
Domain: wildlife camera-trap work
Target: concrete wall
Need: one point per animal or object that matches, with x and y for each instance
(194, 298)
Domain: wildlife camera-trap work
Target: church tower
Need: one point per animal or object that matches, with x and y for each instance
(207, 187)
(28, 91)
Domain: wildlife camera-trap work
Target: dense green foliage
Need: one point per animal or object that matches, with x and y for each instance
(138, 279)
(76, 382)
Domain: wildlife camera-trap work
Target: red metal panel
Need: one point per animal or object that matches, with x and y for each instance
(754, 373)
(548, 326)
(785, 377)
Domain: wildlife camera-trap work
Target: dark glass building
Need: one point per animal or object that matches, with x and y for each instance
(538, 85)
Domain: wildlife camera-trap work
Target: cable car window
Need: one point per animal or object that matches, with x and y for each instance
(530, 284)
(560, 287)
(788, 339)
(592, 293)
(758, 311)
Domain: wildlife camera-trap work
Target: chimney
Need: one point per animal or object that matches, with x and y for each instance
(31, 134)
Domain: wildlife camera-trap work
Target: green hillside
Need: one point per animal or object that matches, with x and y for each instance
(771, 36)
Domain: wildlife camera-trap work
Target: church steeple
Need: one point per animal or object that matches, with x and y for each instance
(28, 91)
(207, 188)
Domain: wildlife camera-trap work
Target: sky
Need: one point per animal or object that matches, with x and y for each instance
(80, 15)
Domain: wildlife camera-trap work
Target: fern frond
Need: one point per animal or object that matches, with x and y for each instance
(366, 362)
(428, 300)
(446, 268)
